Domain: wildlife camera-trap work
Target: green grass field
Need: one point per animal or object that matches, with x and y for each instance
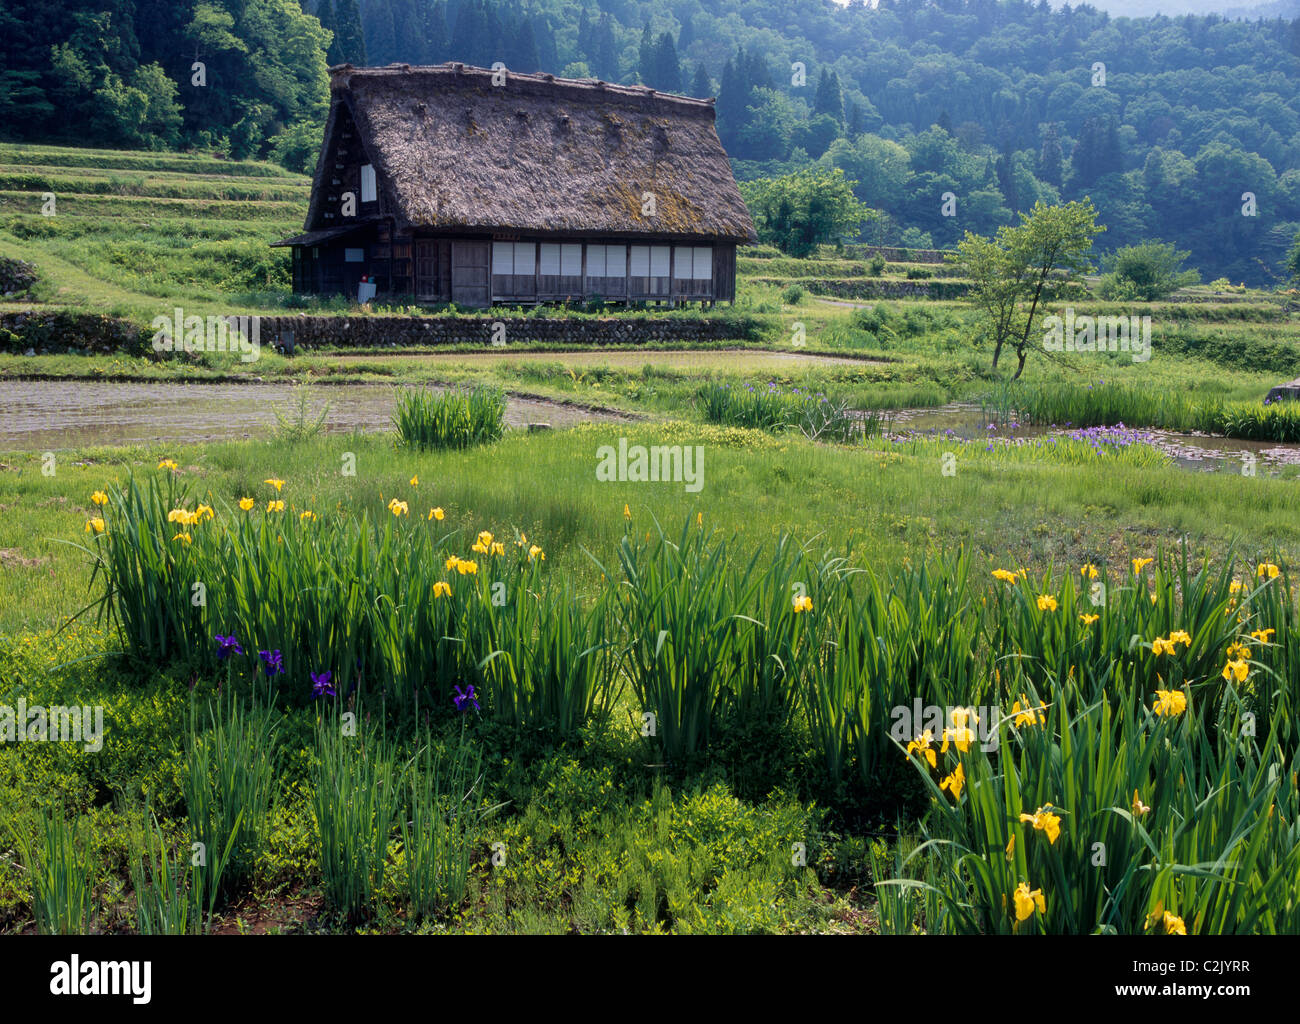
(607, 829)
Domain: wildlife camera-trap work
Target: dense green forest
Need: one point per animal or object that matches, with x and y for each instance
(1166, 123)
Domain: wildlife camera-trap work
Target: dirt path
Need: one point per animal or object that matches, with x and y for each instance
(677, 359)
(846, 305)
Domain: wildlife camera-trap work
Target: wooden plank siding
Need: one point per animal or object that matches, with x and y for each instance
(471, 273)
(468, 271)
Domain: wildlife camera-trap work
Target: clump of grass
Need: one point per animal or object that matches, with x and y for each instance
(685, 611)
(458, 418)
(356, 801)
(814, 414)
(164, 903)
(61, 874)
(554, 660)
(229, 786)
(442, 827)
(1104, 404)
(300, 423)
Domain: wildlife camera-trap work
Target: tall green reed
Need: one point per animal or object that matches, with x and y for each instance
(356, 802)
(60, 870)
(229, 788)
(458, 418)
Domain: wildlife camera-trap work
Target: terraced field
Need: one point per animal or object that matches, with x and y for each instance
(129, 229)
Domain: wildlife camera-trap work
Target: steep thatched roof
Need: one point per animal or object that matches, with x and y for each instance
(539, 153)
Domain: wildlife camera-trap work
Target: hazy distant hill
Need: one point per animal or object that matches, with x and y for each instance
(1228, 8)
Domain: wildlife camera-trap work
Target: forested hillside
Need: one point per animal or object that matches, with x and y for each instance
(1166, 123)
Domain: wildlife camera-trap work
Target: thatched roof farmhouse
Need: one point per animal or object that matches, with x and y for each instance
(455, 183)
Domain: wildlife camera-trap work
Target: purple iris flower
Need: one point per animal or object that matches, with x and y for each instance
(463, 698)
(273, 662)
(321, 685)
(229, 646)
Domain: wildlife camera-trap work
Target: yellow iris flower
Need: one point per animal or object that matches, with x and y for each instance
(1088, 620)
(275, 506)
(99, 498)
(922, 744)
(1169, 703)
(1046, 603)
(953, 783)
(1044, 820)
(1026, 901)
(1004, 576)
(1238, 669)
(441, 589)
(275, 482)
(95, 525)
(1024, 715)
(247, 504)
(1140, 563)
(438, 514)
(802, 603)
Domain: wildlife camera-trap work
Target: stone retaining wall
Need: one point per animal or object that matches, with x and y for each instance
(896, 255)
(42, 332)
(431, 332)
(874, 288)
(16, 277)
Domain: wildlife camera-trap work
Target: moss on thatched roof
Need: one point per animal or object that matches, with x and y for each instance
(538, 153)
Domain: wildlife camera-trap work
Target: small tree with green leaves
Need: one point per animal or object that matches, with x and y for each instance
(799, 211)
(1293, 261)
(1023, 267)
(1149, 271)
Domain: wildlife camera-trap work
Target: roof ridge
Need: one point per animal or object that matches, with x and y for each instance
(542, 78)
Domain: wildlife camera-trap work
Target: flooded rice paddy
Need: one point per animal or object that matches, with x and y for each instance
(49, 415)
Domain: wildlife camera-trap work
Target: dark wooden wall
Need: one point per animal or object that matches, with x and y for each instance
(460, 271)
